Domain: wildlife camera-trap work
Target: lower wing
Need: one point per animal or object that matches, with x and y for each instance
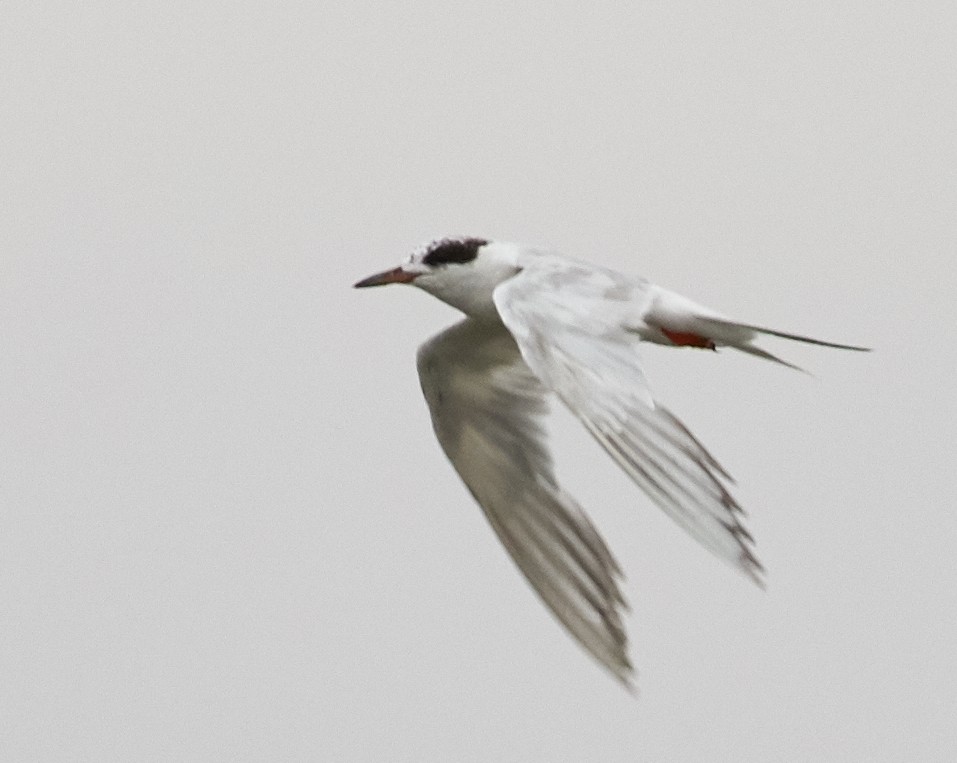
(486, 408)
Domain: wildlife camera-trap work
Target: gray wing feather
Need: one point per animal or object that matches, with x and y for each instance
(575, 341)
(486, 408)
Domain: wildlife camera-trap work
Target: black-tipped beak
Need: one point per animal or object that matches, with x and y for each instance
(398, 275)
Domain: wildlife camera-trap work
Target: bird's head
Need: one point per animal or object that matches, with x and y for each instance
(462, 272)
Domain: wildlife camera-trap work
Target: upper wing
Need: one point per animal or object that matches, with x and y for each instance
(570, 328)
(486, 407)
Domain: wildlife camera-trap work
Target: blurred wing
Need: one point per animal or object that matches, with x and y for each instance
(571, 332)
(486, 408)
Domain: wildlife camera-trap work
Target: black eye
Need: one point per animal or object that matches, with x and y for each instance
(458, 251)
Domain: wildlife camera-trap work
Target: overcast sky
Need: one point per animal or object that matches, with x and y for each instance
(226, 530)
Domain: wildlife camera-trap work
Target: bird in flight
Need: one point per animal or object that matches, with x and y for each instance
(539, 325)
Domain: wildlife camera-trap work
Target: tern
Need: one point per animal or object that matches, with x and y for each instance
(540, 325)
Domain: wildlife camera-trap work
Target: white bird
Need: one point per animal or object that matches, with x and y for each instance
(538, 324)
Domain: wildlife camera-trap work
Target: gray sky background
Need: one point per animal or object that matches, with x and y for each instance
(226, 531)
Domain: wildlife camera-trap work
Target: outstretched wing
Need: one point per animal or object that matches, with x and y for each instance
(486, 408)
(571, 330)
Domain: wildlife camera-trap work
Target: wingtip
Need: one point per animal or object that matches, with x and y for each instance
(631, 687)
(753, 569)
(627, 678)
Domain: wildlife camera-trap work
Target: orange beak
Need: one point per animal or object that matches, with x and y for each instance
(398, 275)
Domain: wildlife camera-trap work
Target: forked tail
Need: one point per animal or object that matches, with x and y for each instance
(741, 335)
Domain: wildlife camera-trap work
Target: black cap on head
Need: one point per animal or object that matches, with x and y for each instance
(453, 250)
